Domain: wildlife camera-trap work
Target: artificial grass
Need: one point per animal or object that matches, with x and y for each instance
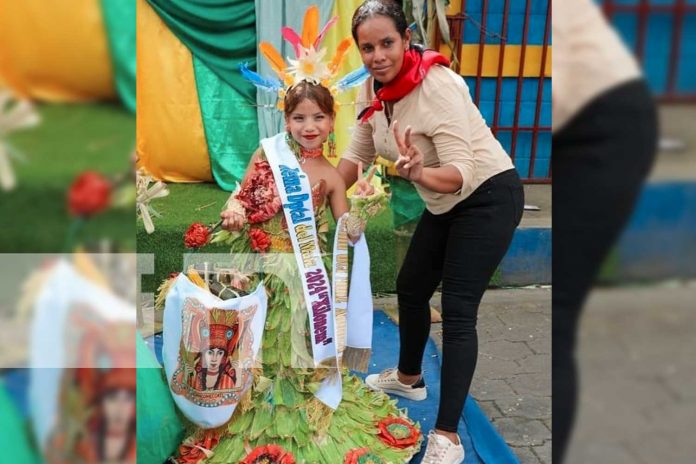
(188, 203)
(71, 139)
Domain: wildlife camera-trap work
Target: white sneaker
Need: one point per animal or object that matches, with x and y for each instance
(388, 382)
(441, 450)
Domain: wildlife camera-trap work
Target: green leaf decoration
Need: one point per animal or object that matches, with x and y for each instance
(240, 423)
(278, 399)
(263, 418)
(285, 422)
(291, 396)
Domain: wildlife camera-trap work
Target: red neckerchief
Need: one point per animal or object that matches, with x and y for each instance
(412, 73)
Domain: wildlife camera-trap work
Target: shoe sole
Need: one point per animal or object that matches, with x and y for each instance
(415, 396)
(406, 395)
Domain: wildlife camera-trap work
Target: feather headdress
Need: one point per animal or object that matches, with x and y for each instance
(309, 63)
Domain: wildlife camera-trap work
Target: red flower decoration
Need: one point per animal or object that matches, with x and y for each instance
(259, 195)
(361, 456)
(269, 454)
(260, 241)
(196, 235)
(89, 194)
(191, 453)
(397, 432)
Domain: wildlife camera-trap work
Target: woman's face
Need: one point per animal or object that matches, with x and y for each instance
(213, 358)
(309, 125)
(119, 409)
(382, 47)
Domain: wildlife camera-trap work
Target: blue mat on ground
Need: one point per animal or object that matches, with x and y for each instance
(481, 441)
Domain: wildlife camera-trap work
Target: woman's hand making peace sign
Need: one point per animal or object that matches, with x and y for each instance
(410, 162)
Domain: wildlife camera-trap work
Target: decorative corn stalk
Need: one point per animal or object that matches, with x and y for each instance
(430, 17)
(147, 189)
(14, 115)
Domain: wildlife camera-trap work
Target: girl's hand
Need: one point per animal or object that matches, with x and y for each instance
(363, 187)
(232, 221)
(410, 162)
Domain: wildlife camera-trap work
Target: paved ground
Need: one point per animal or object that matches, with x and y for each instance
(538, 195)
(677, 156)
(513, 378)
(638, 377)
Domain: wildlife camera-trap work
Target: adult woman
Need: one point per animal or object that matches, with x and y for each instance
(473, 196)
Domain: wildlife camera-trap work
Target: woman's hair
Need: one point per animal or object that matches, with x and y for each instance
(307, 90)
(371, 8)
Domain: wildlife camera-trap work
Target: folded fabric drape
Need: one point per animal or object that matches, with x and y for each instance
(119, 19)
(220, 34)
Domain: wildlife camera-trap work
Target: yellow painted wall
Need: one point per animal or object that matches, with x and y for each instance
(468, 60)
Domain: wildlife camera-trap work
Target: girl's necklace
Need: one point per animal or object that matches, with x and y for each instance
(301, 153)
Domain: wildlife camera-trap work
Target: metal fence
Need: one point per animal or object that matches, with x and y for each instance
(662, 35)
(510, 80)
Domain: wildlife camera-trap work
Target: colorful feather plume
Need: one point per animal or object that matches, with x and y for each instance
(353, 78)
(339, 55)
(270, 84)
(310, 29)
(324, 30)
(274, 58)
(293, 39)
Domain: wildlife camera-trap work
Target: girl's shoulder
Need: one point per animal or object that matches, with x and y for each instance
(259, 154)
(332, 176)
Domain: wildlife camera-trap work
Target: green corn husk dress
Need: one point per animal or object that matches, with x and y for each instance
(280, 419)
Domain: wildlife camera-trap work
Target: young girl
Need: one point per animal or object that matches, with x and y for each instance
(283, 416)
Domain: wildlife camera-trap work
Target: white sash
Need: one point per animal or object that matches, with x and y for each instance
(353, 332)
(296, 196)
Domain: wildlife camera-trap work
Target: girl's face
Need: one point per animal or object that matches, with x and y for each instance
(382, 47)
(309, 125)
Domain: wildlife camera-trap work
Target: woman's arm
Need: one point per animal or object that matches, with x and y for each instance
(445, 179)
(348, 171)
(447, 122)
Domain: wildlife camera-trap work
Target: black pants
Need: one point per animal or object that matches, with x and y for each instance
(600, 160)
(462, 248)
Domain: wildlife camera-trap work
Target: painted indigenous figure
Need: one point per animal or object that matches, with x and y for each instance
(214, 362)
(97, 418)
(212, 368)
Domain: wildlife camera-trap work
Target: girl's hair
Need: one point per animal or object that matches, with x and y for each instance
(307, 90)
(371, 8)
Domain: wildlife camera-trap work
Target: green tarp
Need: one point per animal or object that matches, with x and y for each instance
(406, 205)
(159, 428)
(14, 441)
